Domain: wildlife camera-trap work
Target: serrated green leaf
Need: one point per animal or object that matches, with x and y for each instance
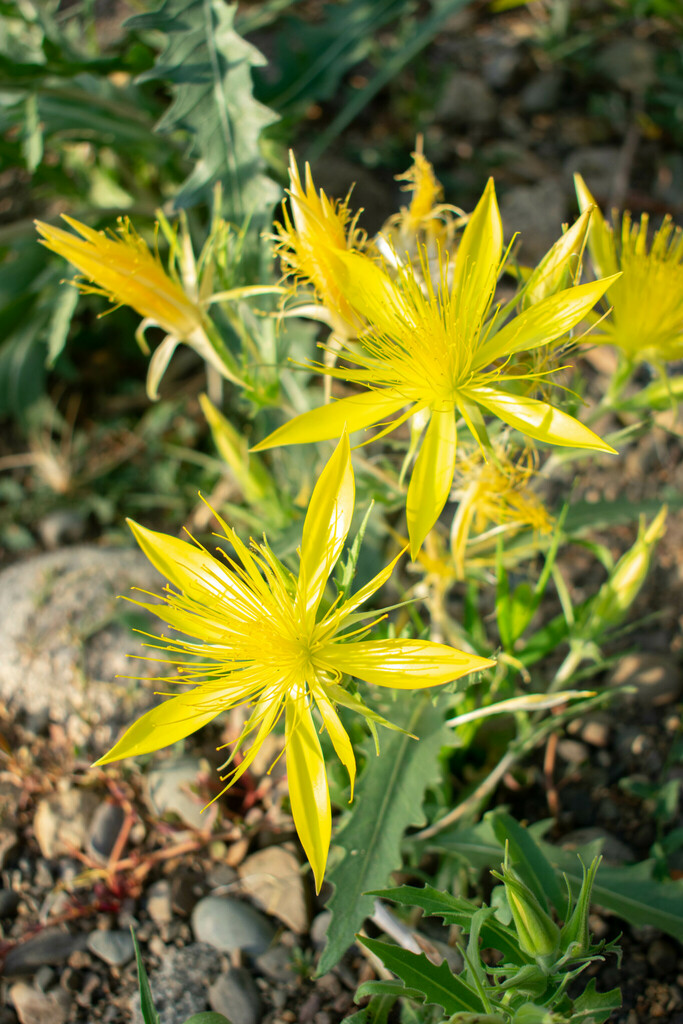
(149, 1013)
(209, 67)
(630, 892)
(459, 911)
(389, 799)
(595, 1007)
(438, 984)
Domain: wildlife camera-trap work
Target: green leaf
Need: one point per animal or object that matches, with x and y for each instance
(394, 988)
(438, 984)
(149, 1014)
(528, 860)
(389, 799)
(631, 892)
(62, 313)
(595, 1007)
(209, 67)
(459, 911)
(208, 1017)
(378, 1009)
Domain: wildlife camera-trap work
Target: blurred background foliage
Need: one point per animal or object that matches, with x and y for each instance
(109, 108)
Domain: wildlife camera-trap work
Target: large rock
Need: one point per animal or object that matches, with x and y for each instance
(65, 644)
(230, 925)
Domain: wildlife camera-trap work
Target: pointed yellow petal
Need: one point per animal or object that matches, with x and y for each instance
(545, 322)
(366, 592)
(478, 260)
(405, 664)
(600, 237)
(338, 735)
(183, 564)
(371, 292)
(308, 792)
(328, 422)
(326, 525)
(171, 721)
(539, 420)
(432, 477)
(559, 266)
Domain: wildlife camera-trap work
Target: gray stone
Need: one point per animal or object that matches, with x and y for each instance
(541, 94)
(159, 905)
(276, 964)
(235, 996)
(537, 212)
(629, 63)
(9, 901)
(170, 789)
(231, 925)
(61, 821)
(115, 948)
(36, 1007)
(51, 946)
(613, 850)
(319, 926)
(104, 830)
(572, 751)
(466, 99)
(662, 956)
(44, 978)
(272, 879)
(61, 627)
(180, 985)
(598, 166)
(62, 526)
(657, 679)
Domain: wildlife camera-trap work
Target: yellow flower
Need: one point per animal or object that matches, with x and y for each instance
(646, 321)
(426, 221)
(495, 491)
(308, 240)
(260, 639)
(124, 270)
(441, 350)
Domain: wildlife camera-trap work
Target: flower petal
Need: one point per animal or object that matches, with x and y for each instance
(539, 420)
(405, 664)
(432, 477)
(338, 734)
(327, 423)
(188, 567)
(600, 237)
(171, 721)
(326, 525)
(477, 263)
(308, 792)
(545, 322)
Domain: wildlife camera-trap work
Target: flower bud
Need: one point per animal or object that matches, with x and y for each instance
(575, 931)
(617, 595)
(537, 933)
(532, 1014)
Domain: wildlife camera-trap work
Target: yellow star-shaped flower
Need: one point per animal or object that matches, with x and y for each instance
(259, 638)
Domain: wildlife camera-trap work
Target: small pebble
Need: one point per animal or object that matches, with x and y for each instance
(104, 830)
(230, 925)
(159, 902)
(235, 995)
(9, 901)
(36, 1007)
(51, 946)
(662, 956)
(115, 948)
(572, 751)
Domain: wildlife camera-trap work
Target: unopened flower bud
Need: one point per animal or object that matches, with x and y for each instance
(537, 932)
(617, 595)
(532, 1014)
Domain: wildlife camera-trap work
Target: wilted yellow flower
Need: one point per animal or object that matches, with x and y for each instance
(495, 491)
(442, 350)
(646, 321)
(426, 221)
(307, 241)
(259, 639)
(125, 271)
